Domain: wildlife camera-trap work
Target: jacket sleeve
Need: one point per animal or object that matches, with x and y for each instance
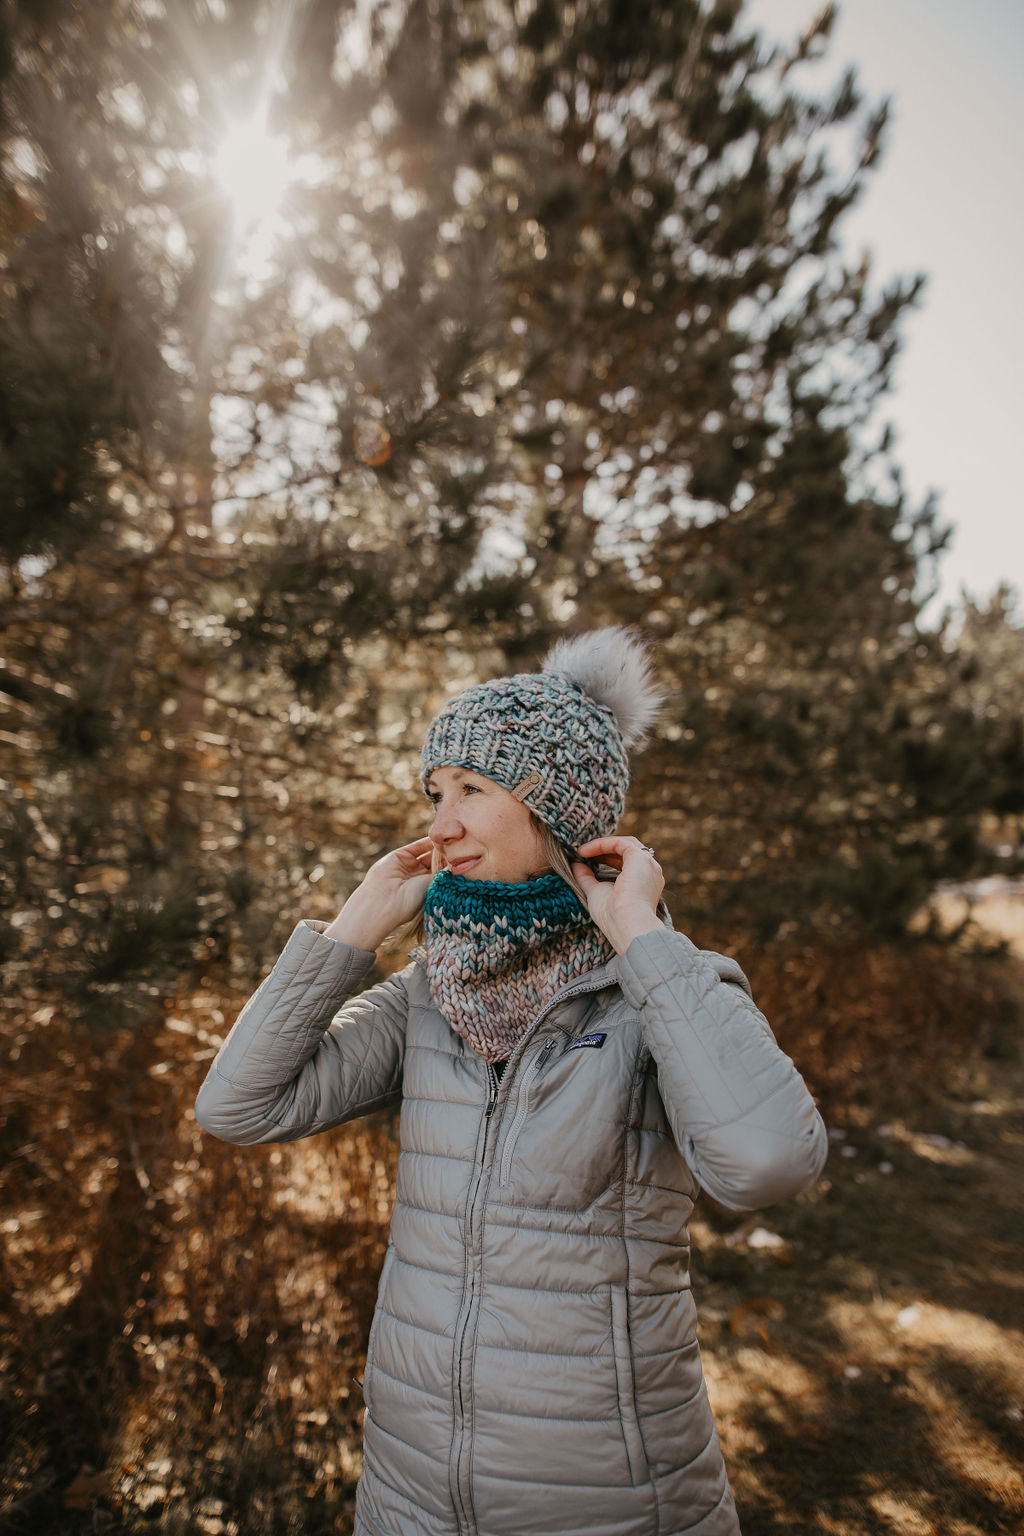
(739, 1110)
(296, 1061)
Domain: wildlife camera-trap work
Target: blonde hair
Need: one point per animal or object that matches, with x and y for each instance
(414, 931)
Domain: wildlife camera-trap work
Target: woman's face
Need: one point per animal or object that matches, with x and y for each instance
(483, 831)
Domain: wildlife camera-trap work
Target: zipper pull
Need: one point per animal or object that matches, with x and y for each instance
(492, 1091)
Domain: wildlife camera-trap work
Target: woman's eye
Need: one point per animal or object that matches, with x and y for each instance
(435, 798)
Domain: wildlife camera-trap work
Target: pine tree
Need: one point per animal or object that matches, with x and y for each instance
(557, 329)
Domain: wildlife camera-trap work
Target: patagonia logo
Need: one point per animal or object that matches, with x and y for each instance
(595, 1040)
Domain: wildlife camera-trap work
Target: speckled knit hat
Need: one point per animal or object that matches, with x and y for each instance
(557, 738)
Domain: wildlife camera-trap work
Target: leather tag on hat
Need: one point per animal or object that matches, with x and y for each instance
(531, 781)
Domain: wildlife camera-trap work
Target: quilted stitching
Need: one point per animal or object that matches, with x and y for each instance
(705, 1076)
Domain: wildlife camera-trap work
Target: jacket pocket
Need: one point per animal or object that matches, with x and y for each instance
(522, 1109)
(625, 1388)
(371, 1343)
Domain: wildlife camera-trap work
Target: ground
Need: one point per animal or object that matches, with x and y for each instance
(864, 1345)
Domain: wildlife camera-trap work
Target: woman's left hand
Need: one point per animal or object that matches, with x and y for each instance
(627, 906)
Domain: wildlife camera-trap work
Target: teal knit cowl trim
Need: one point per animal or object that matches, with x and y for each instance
(498, 952)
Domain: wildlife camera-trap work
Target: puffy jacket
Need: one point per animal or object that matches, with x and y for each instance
(532, 1367)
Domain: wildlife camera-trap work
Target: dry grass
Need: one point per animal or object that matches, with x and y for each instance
(878, 1383)
(184, 1318)
(183, 1321)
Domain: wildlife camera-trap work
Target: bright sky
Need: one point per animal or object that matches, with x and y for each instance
(949, 201)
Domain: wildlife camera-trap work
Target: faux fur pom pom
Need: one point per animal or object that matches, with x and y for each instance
(613, 667)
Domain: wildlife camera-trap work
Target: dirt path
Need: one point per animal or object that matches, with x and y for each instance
(865, 1344)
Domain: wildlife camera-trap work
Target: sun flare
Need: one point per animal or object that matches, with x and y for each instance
(253, 169)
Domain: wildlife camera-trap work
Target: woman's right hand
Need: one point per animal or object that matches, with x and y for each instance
(391, 893)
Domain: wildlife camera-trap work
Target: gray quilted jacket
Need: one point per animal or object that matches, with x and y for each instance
(532, 1367)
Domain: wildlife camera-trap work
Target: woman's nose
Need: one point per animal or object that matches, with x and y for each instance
(446, 826)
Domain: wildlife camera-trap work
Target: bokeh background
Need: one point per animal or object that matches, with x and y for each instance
(351, 351)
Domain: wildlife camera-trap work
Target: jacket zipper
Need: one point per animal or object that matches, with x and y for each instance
(462, 1511)
(463, 1508)
(458, 1485)
(522, 1110)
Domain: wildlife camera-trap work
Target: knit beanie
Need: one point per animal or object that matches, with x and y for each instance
(557, 738)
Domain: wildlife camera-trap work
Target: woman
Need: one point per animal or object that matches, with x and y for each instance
(570, 1071)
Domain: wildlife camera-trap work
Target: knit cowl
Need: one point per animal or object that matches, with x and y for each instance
(498, 951)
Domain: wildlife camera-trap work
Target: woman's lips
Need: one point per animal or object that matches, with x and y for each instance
(459, 866)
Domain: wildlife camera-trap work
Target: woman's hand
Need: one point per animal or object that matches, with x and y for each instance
(627, 906)
(391, 893)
